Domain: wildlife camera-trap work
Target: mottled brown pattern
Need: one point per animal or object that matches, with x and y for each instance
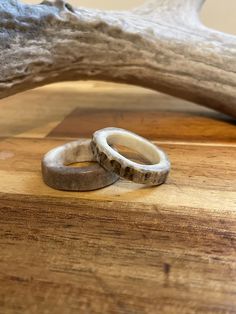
(129, 173)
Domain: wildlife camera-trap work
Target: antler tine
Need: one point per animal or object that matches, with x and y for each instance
(161, 45)
(153, 6)
(176, 11)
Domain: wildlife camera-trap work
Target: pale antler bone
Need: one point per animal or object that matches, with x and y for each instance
(161, 45)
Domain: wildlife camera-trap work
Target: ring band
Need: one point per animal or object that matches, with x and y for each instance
(153, 174)
(58, 175)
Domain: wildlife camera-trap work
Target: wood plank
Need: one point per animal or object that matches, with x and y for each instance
(152, 124)
(126, 248)
(96, 258)
(35, 113)
(192, 179)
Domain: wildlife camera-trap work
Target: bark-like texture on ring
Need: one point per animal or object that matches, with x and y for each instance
(129, 173)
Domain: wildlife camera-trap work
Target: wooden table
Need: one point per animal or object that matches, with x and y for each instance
(126, 248)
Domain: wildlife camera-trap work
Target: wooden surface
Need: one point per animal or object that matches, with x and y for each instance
(126, 248)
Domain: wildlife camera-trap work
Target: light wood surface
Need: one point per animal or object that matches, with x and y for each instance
(126, 248)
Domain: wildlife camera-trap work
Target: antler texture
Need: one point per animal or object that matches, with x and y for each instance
(161, 45)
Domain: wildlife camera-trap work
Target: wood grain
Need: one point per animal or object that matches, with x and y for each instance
(126, 248)
(152, 124)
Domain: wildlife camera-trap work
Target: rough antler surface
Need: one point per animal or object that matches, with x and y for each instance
(161, 45)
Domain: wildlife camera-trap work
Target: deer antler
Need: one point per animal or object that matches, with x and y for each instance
(162, 45)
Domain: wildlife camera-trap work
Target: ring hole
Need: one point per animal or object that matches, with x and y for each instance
(82, 164)
(131, 154)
